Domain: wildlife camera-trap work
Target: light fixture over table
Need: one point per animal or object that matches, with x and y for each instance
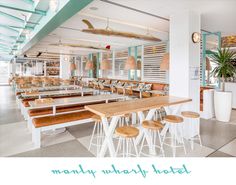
(105, 65)
(165, 62)
(72, 66)
(130, 63)
(89, 65)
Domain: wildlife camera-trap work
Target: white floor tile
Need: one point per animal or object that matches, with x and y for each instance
(14, 138)
(198, 151)
(229, 148)
(47, 140)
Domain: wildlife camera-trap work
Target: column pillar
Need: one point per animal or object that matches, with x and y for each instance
(64, 66)
(184, 72)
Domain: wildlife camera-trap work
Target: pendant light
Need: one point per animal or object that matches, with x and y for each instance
(89, 65)
(164, 66)
(130, 63)
(72, 66)
(105, 65)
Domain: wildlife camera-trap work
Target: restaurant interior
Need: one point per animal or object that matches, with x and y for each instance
(117, 78)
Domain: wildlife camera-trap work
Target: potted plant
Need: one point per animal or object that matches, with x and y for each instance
(224, 69)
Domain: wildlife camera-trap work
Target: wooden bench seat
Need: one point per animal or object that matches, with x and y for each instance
(58, 121)
(60, 109)
(62, 118)
(39, 112)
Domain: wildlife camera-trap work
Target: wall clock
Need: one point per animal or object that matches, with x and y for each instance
(196, 37)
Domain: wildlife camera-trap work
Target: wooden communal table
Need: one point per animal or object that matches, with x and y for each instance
(76, 101)
(72, 101)
(116, 109)
(56, 93)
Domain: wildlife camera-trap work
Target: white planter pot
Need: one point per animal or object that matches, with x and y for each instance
(223, 105)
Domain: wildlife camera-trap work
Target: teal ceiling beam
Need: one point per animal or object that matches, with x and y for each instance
(4, 51)
(19, 42)
(7, 50)
(18, 27)
(31, 2)
(7, 36)
(71, 8)
(12, 17)
(6, 41)
(9, 28)
(4, 47)
(33, 11)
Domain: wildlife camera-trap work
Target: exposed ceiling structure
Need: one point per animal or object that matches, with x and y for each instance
(148, 18)
(18, 18)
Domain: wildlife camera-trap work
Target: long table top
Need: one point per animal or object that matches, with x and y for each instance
(120, 108)
(76, 100)
(61, 87)
(60, 92)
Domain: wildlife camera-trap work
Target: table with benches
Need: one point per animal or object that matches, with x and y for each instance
(62, 113)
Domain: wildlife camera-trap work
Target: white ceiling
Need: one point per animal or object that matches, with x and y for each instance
(216, 15)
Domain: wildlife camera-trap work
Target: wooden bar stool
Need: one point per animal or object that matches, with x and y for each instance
(153, 131)
(191, 116)
(175, 126)
(127, 135)
(97, 134)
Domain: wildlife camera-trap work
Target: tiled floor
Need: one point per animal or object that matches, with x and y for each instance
(219, 139)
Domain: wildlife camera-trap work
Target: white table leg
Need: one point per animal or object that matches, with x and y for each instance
(109, 131)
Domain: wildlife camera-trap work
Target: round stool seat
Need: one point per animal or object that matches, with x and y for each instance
(149, 124)
(189, 114)
(127, 131)
(173, 119)
(96, 118)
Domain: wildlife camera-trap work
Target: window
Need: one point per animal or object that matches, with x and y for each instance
(120, 59)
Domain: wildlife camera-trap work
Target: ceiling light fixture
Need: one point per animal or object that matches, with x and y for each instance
(130, 63)
(54, 5)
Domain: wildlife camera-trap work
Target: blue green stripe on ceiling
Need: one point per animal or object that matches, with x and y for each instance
(31, 2)
(9, 28)
(11, 17)
(33, 11)
(70, 9)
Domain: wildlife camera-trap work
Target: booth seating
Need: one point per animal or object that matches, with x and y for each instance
(57, 121)
(40, 112)
(119, 86)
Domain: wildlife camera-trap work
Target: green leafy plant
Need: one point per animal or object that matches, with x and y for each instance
(224, 69)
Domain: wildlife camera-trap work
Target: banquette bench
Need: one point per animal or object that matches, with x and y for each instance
(118, 86)
(57, 121)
